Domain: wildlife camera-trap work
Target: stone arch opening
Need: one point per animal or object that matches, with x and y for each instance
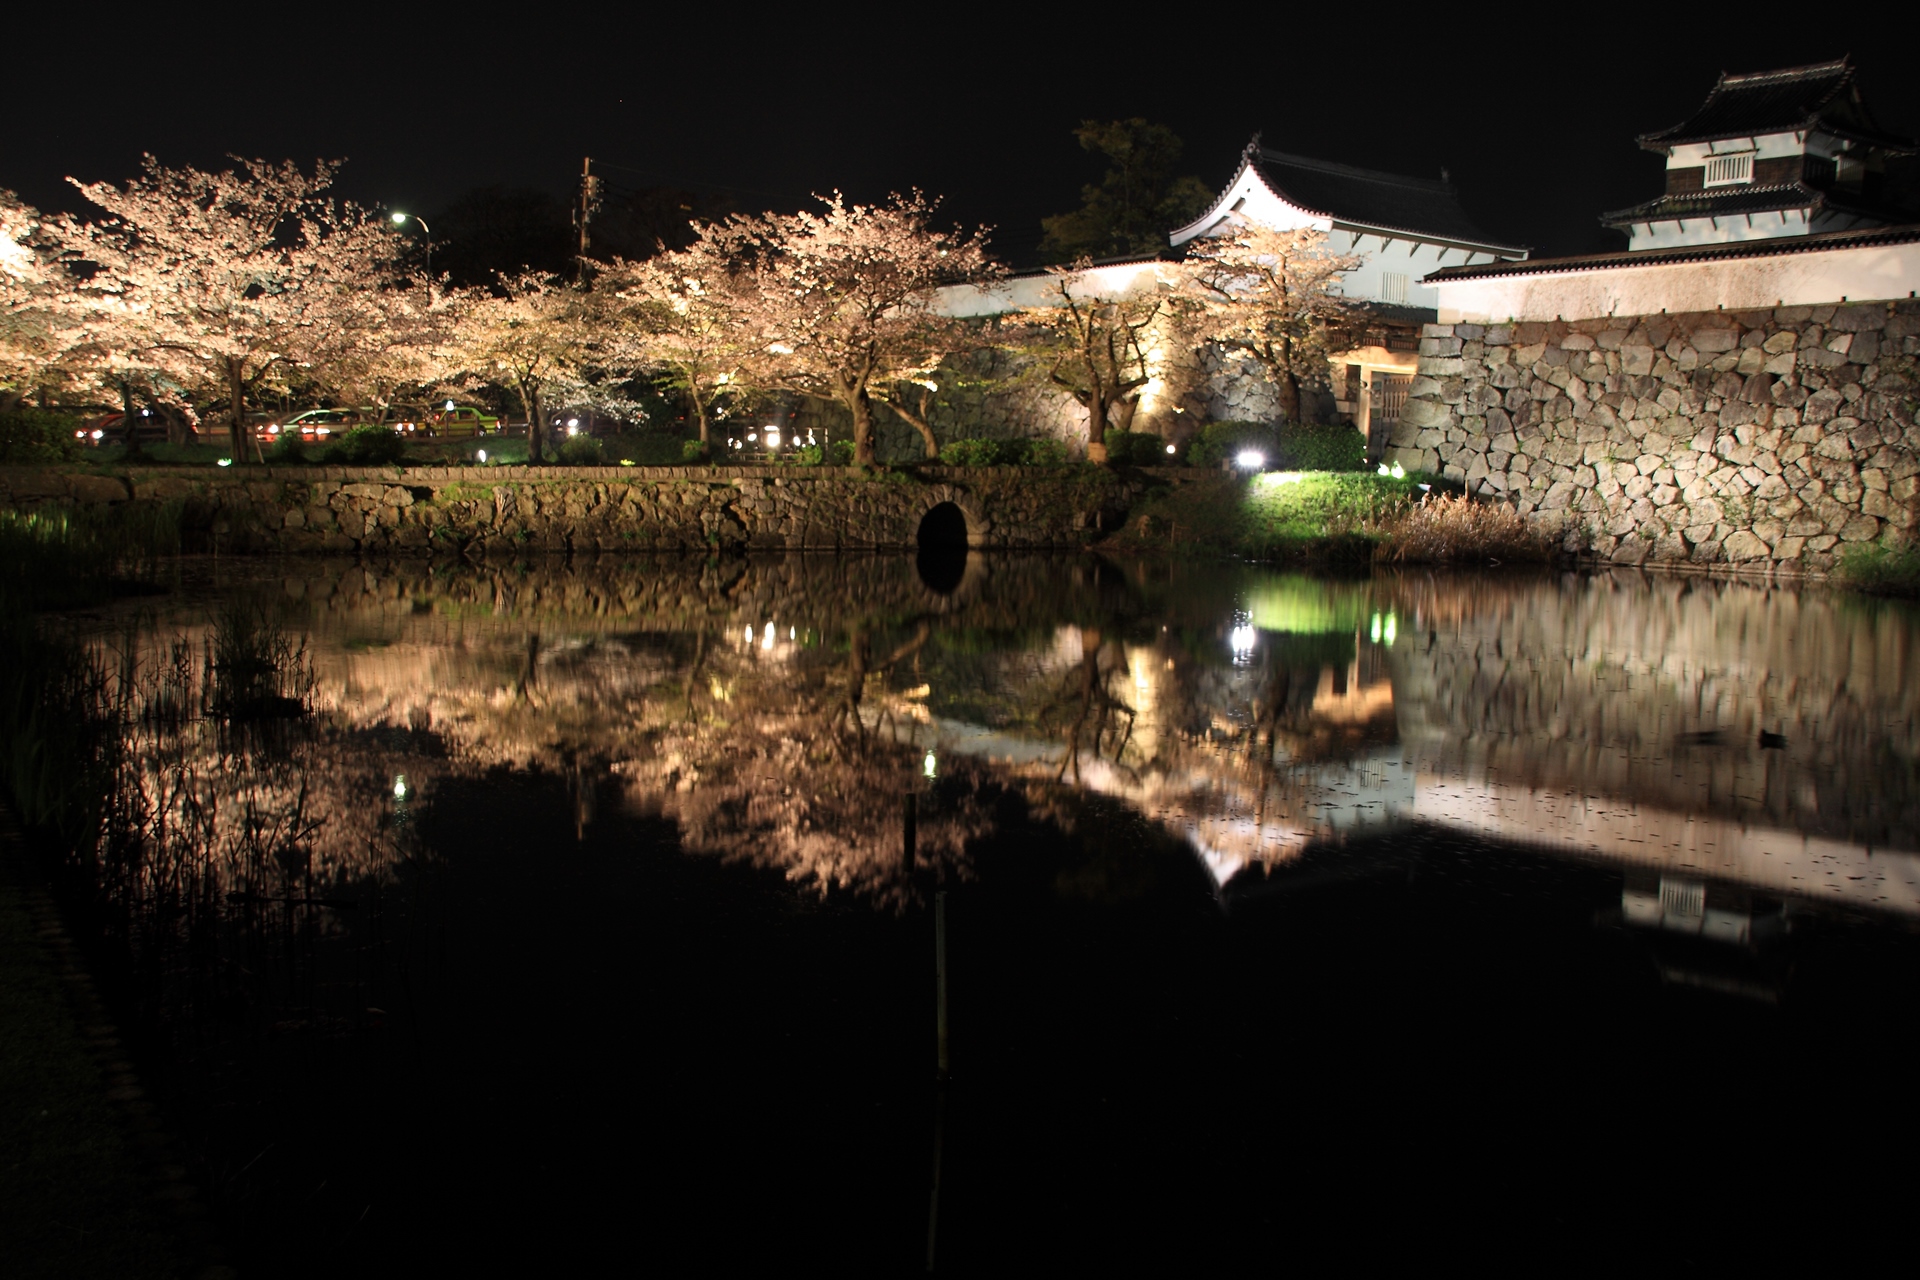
(942, 541)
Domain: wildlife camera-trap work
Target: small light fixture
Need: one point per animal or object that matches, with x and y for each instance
(399, 786)
(449, 404)
(1169, 448)
(226, 462)
(931, 765)
(773, 438)
(1250, 460)
(481, 455)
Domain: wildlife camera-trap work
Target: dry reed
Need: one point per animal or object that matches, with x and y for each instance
(1458, 530)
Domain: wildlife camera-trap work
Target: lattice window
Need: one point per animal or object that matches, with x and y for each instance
(1393, 286)
(1389, 397)
(1728, 171)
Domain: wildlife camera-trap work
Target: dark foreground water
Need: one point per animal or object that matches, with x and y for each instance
(1552, 920)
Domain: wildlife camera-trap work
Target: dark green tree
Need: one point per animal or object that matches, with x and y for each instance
(1131, 209)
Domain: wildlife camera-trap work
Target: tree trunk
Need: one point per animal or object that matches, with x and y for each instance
(918, 420)
(699, 412)
(129, 421)
(536, 421)
(861, 405)
(236, 411)
(1097, 424)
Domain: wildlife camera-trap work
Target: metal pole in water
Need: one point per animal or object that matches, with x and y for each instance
(908, 821)
(940, 975)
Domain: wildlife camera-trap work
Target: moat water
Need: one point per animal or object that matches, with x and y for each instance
(587, 919)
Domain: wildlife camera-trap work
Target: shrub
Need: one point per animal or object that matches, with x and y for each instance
(808, 455)
(1140, 448)
(286, 451)
(36, 436)
(369, 445)
(973, 453)
(1043, 451)
(1219, 441)
(693, 451)
(581, 451)
(1456, 529)
(1882, 571)
(842, 451)
(1320, 447)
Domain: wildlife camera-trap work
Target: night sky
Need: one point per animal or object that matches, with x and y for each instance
(1536, 126)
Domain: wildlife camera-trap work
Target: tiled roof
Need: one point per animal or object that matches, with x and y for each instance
(1772, 246)
(1731, 202)
(1822, 96)
(1371, 199)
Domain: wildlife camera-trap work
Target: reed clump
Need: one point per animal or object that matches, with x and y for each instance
(1454, 529)
(68, 557)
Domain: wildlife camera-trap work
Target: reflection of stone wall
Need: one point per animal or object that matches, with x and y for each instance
(492, 510)
(1607, 687)
(1758, 438)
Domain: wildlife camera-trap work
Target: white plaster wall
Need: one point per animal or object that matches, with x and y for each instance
(1868, 273)
(1758, 226)
(1018, 294)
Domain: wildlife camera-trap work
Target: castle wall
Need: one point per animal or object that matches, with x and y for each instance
(1764, 438)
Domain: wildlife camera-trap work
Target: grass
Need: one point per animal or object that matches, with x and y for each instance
(1881, 570)
(1331, 519)
(1325, 517)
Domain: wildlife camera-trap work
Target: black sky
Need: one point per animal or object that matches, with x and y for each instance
(1535, 123)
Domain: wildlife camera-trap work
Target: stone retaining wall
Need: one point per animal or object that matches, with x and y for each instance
(1763, 439)
(495, 509)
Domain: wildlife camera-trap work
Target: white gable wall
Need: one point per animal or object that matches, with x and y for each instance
(1391, 263)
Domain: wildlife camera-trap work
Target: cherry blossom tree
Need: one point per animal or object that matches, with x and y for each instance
(34, 316)
(841, 303)
(1095, 343)
(228, 281)
(533, 334)
(682, 314)
(1274, 296)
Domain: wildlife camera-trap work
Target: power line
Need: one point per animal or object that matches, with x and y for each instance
(691, 182)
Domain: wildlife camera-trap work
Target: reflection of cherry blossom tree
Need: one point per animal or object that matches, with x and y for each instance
(796, 770)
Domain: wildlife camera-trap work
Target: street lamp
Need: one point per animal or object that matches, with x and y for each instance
(400, 218)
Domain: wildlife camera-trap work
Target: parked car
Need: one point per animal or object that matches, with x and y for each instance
(312, 425)
(459, 422)
(154, 427)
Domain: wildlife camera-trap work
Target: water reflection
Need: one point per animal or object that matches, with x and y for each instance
(780, 712)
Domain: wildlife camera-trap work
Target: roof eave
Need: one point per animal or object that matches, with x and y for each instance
(1428, 237)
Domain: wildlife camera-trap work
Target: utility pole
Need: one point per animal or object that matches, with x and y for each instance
(583, 215)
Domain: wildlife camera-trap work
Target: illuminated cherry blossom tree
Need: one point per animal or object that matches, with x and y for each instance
(33, 314)
(841, 303)
(1095, 343)
(533, 334)
(1274, 296)
(681, 314)
(226, 282)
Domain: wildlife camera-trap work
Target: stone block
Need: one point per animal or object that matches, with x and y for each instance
(1425, 413)
(1742, 546)
(97, 489)
(1862, 528)
(1715, 340)
(1858, 318)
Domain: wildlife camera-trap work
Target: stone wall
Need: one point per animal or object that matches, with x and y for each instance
(486, 510)
(1762, 439)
